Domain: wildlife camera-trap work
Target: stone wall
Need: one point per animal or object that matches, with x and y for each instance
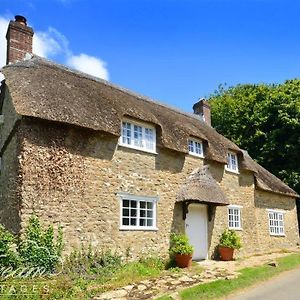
(9, 174)
(264, 201)
(72, 176)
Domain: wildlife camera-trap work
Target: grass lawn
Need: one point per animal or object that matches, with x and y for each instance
(248, 277)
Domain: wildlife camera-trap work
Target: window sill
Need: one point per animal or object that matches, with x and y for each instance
(235, 228)
(128, 228)
(196, 155)
(138, 149)
(232, 171)
(278, 235)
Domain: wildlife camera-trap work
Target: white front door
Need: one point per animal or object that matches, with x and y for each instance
(196, 229)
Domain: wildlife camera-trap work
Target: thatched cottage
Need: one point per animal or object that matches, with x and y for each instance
(119, 170)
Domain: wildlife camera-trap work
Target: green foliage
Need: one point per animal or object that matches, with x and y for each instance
(180, 244)
(38, 247)
(230, 239)
(88, 263)
(264, 120)
(8, 255)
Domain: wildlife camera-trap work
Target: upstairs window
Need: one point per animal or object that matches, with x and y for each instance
(234, 217)
(276, 223)
(196, 148)
(138, 136)
(232, 162)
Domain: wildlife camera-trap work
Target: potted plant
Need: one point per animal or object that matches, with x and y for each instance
(229, 241)
(182, 250)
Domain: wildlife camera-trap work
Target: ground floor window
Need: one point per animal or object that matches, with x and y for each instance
(137, 212)
(234, 217)
(276, 222)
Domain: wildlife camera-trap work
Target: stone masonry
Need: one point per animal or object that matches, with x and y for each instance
(71, 176)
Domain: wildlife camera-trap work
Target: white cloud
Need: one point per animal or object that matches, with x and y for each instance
(88, 64)
(3, 28)
(52, 43)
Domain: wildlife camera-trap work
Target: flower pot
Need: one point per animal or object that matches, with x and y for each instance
(226, 253)
(183, 260)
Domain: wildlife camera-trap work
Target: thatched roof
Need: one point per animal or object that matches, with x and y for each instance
(202, 187)
(44, 90)
(265, 180)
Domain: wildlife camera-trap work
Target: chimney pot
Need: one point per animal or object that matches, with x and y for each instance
(20, 19)
(202, 108)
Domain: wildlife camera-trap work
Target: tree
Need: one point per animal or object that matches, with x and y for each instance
(264, 120)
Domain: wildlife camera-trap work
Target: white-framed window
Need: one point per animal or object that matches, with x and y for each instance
(196, 148)
(138, 136)
(232, 162)
(137, 212)
(276, 222)
(234, 217)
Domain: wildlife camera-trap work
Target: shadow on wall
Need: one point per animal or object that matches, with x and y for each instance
(210, 230)
(169, 160)
(247, 180)
(89, 143)
(269, 200)
(216, 169)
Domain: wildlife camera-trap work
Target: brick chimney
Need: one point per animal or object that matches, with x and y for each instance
(19, 40)
(202, 108)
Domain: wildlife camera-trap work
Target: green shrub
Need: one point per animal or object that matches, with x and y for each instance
(8, 254)
(230, 239)
(180, 244)
(87, 263)
(38, 247)
(153, 263)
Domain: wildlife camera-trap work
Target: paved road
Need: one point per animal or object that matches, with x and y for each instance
(286, 286)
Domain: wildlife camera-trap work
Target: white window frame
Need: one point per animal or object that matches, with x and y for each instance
(238, 209)
(195, 143)
(144, 128)
(138, 199)
(230, 166)
(276, 223)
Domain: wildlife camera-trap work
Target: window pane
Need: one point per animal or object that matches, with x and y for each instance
(133, 213)
(126, 133)
(191, 146)
(138, 136)
(125, 203)
(133, 222)
(142, 204)
(149, 205)
(132, 203)
(125, 221)
(149, 222)
(142, 213)
(125, 212)
(149, 214)
(142, 222)
(149, 138)
(198, 148)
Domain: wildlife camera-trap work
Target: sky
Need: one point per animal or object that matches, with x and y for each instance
(174, 51)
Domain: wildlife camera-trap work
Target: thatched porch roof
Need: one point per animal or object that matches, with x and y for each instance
(202, 187)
